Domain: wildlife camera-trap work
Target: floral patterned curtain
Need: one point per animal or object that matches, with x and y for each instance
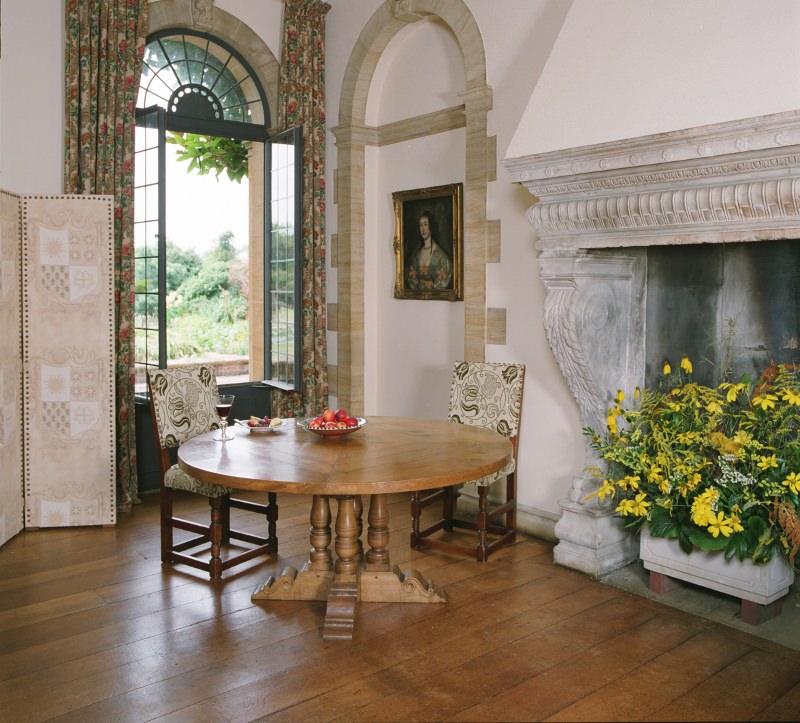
(104, 47)
(301, 101)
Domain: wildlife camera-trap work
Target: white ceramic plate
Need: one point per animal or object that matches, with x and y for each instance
(260, 430)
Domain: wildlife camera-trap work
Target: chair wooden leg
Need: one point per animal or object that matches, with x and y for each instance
(415, 513)
(215, 532)
(511, 496)
(225, 518)
(272, 519)
(482, 523)
(448, 507)
(166, 524)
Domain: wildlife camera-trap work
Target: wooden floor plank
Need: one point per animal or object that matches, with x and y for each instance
(94, 628)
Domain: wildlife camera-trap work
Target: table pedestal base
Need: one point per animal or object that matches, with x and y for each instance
(307, 584)
(347, 582)
(340, 613)
(396, 586)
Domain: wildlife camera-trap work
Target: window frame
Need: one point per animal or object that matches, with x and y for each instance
(270, 378)
(170, 121)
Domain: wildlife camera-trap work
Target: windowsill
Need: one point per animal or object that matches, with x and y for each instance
(277, 384)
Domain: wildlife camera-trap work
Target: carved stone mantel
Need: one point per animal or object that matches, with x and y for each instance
(597, 209)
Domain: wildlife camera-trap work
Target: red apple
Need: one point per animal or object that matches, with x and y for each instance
(341, 415)
(329, 415)
(351, 422)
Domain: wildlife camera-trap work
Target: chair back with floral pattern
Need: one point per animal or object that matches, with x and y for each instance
(488, 395)
(182, 400)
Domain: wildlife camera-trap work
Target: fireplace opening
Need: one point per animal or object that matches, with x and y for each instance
(731, 308)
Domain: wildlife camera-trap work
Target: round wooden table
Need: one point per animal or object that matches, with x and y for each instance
(388, 455)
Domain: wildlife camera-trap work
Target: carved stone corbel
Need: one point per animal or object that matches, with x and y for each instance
(594, 319)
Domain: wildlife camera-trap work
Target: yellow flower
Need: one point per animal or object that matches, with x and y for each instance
(607, 489)
(654, 474)
(620, 396)
(686, 365)
(703, 507)
(719, 524)
(611, 423)
(791, 397)
(765, 401)
(733, 390)
(631, 482)
(766, 462)
(637, 393)
(702, 514)
(667, 368)
(724, 445)
(714, 407)
(637, 507)
(792, 481)
(736, 523)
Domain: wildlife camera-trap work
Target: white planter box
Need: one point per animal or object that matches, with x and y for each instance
(761, 584)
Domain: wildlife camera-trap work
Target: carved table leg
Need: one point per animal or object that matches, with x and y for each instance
(320, 533)
(360, 523)
(378, 534)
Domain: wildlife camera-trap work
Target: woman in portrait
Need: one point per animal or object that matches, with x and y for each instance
(430, 266)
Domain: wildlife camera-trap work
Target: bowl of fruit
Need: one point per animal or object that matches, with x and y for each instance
(332, 423)
(261, 425)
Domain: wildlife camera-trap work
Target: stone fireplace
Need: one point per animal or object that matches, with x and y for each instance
(598, 211)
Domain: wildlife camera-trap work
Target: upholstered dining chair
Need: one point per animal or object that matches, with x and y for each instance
(489, 395)
(182, 406)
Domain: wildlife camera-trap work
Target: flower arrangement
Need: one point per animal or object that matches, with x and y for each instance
(718, 468)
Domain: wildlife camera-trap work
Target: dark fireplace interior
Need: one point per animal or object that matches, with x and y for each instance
(731, 308)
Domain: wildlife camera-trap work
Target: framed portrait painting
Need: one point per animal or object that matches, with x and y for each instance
(428, 243)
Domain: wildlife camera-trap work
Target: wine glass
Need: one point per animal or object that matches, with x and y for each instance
(224, 403)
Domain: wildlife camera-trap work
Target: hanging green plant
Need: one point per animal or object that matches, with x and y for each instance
(212, 153)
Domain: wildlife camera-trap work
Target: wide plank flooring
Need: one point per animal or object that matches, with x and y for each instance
(94, 628)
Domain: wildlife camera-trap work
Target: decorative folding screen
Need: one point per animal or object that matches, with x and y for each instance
(11, 486)
(57, 440)
(68, 358)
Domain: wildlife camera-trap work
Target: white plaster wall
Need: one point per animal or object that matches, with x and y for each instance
(32, 96)
(519, 34)
(713, 80)
(410, 345)
(264, 18)
(636, 67)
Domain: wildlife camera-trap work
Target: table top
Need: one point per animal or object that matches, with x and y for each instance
(388, 454)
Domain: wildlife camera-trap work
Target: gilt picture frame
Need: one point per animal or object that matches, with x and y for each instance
(428, 243)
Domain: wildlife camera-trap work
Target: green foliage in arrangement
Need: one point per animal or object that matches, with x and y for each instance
(718, 468)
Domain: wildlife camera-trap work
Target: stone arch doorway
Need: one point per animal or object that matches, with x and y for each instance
(353, 136)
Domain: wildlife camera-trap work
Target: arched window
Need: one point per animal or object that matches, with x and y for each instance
(202, 109)
(196, 77)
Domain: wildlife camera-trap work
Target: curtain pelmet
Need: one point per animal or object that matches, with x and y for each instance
(104, 47)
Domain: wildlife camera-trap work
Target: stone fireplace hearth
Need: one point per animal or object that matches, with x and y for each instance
(598, 209)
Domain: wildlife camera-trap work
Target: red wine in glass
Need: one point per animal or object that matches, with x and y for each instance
(224, 404)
